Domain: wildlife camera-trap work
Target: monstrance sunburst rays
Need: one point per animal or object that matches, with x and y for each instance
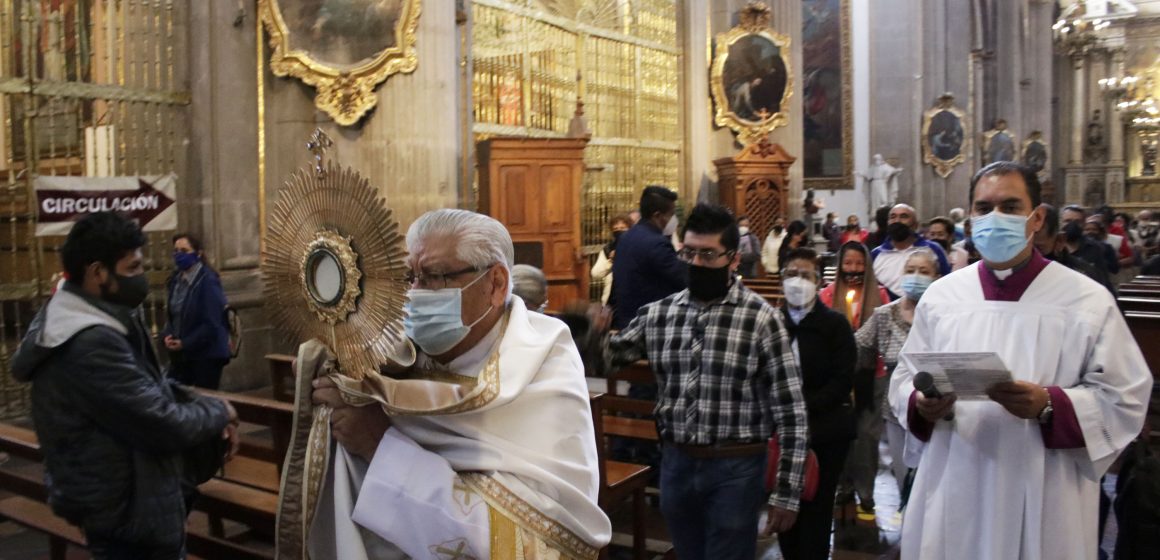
(342, 201)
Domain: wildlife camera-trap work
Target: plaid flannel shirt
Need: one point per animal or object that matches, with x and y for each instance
(725, 372)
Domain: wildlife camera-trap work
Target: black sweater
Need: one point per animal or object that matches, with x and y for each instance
(828, 357)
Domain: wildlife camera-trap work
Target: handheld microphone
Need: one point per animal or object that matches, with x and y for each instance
(924, 383)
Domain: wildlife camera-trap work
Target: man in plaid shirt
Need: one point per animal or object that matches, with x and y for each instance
(727, 381)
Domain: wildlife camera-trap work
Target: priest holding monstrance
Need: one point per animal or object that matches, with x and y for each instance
(480, 444)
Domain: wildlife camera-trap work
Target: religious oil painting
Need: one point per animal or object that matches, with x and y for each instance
(999, 143)
(751, 79)
(345, 48)
(945, 136)
(827, 97)
(755, 78)
(1035, 152)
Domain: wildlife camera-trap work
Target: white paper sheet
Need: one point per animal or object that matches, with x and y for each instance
(966, 374)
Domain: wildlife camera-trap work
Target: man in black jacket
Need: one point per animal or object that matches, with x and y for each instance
(827, 355)
(114, 431)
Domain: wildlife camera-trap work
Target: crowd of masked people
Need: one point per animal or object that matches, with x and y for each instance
(816, 370)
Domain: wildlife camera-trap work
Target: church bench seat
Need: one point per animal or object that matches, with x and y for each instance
(282, 376)
(1140, 304)
(36, 515)
(619, 481)
(276, 415)
(220, 499)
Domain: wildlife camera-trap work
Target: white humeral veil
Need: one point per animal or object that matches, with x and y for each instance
(494, 454)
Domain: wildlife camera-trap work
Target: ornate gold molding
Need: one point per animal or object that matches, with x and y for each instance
(944, 109)
(330, 243)
(754, 25)
(344, 93)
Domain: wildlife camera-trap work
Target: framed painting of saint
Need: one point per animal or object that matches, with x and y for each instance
(1035, 152)
(751, 79)
(827, 95)
(344, 48)
(999, 143)
(945, 135)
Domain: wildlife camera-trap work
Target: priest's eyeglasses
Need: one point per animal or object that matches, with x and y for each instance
(433, 281)
(707, 255)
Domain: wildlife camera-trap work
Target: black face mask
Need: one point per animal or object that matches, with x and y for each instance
(708, 284)
(777, 229)
(853, 278)
(852, 227)
(131, 290)
(1072, 231)
(898, 231)
(944, 243)
(616, 236)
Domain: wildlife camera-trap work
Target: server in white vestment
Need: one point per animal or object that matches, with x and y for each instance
(486, 449)
(1017, 476)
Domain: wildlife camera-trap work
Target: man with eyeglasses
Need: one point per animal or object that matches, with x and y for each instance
(486, 439)
(726, 382)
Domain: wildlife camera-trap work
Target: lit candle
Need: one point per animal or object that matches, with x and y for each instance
(851, 307)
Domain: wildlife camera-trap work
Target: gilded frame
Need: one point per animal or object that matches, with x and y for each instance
(754, 25)
(846, 179)
(344, 93)
(943, 166)
(1000, 128)
(1036, 137)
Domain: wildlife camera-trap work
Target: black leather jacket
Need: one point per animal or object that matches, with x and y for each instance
(109, 424)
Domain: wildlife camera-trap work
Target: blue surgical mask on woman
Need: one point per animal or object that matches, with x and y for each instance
(185, 261)
(999, 237)
(434, 318)
(914, 285)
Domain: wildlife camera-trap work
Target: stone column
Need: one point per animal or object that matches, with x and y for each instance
(1078, 109)
(1116, 185)
(698, 119)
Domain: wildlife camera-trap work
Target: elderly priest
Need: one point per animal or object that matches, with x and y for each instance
(1017, 475)
(487, 448)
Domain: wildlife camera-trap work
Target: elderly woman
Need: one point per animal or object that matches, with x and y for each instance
(881, 338)
(529, 284)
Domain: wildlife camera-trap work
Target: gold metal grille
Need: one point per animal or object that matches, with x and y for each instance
(533, 58)
(87, 87)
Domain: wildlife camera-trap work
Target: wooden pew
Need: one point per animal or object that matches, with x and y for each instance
(220, 499)
(276, 415)
(1141, 304)
(619, 481)
(282, 376)
(37, 515)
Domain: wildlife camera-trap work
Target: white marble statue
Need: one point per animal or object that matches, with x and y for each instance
(881, 180)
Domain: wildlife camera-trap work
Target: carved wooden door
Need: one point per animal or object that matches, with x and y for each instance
(532, 186)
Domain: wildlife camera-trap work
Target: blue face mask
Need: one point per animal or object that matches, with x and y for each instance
(434, 318)
(185, 261)
(999, 237)
(914, 285)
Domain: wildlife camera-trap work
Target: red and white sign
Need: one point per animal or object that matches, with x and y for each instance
(62, 201)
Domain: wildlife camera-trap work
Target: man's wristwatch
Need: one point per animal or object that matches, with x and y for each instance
(1045, 414)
